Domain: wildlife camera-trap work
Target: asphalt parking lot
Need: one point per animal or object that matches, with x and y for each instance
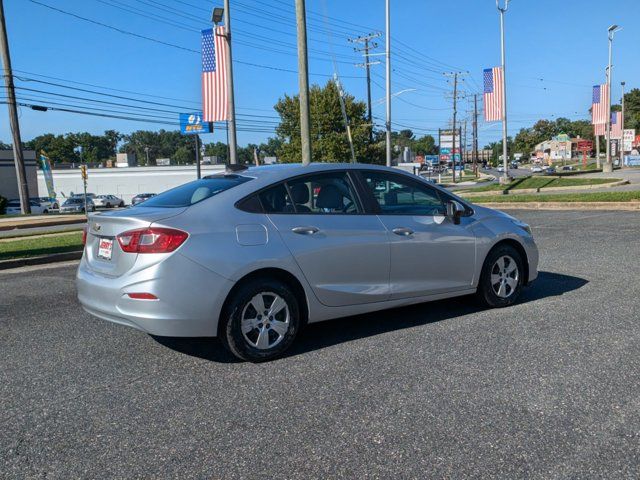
(549, 388)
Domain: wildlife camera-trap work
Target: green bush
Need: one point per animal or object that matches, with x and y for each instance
(3, 204)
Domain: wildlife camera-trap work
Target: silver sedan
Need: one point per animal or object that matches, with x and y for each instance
(253, 255)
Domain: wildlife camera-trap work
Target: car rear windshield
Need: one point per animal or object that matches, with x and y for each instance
(194, 192)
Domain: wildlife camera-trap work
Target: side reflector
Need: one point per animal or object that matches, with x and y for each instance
(84, 235)
(142, 296)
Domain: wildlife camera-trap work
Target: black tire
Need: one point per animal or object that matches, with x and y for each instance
(45, 212)
(230, 330)
(121, 205)
(486, 293)
(108, 205)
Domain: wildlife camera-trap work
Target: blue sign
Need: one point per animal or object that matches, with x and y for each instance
(456, 157)
(459, 168)
(632, 160)
(445, 151)
(192, 124)
(432, 159)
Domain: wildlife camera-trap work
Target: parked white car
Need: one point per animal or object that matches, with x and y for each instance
(107, 201)
(537, 169)
(37, 207)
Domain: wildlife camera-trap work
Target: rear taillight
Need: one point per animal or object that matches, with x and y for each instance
(151, 240)
(84, 236)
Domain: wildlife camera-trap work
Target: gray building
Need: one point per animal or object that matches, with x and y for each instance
(8, 179)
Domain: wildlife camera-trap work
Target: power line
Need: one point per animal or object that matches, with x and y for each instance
(125, 32)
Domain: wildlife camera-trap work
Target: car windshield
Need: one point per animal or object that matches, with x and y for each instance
(13, 203)
(194, 192)
(74, 201)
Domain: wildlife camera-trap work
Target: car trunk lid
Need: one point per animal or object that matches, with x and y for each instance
(102, 251)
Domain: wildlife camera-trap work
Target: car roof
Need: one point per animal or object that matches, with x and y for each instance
(283, 171)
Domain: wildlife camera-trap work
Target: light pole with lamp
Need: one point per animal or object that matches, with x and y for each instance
(622, 128)
(217, 16)
(608, 166)
(505, 177)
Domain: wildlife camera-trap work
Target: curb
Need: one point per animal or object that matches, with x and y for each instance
(41, 260)
(619, 206)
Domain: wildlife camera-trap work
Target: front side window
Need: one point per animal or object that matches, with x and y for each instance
(398, 196)
(325, 193)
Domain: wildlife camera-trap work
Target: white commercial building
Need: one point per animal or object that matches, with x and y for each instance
(126, 183)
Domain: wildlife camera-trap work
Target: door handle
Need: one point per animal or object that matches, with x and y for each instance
(305, 230)
(403, 231)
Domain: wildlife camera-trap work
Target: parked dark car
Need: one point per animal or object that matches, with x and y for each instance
(141, 197)
(550, 170)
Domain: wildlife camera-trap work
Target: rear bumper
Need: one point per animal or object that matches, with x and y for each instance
(190, 297)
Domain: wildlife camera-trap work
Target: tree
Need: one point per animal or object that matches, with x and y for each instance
(632, 110)
(217, 149)
(5, 146)
(425, 145)
(161, 144)
(328, 132)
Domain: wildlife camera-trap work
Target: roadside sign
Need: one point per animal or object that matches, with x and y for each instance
(628, 137)
(585, 145)
(192, 124)
(445, 158)
(445, 151)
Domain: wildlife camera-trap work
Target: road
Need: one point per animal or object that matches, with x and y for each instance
(549, 388)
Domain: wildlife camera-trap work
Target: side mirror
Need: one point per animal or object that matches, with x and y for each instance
(454, 211)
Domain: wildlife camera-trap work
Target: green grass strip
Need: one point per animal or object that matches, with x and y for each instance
(563, 197)
(33, 247)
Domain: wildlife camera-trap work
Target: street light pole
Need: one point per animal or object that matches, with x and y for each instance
(608, 166)
(388, 62)
(303, 82)
(233, 141)
(622, 127)
(23, 187)
(503, 10)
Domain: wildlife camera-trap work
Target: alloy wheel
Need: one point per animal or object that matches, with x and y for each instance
(265, 320)
(505, 276)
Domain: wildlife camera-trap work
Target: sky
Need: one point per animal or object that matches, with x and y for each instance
(556, 50)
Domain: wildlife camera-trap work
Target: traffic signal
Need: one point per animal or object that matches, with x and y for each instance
(83, 171)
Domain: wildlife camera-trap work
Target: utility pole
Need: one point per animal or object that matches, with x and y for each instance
(475, 134)
(303, 81)
(598, 152)
(455, 76)
(233, 140)
(608, 166)
(21, 175)
(622, 127)
(505, 177)
(455, 113)
(388, 85)
(368, 45)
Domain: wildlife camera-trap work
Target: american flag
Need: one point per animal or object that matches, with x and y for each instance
(492, 94)
(600, 129)
(616, 125)
(600, 104)
(214, 76)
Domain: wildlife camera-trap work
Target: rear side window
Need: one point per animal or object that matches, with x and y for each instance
(194, 192)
